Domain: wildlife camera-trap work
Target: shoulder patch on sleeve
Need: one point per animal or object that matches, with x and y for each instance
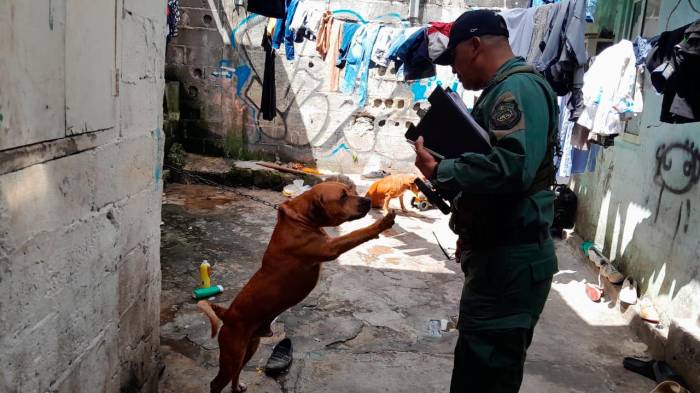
(505, 115)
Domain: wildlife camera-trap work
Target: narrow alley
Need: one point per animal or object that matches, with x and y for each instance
(373, 322)
(547, 151)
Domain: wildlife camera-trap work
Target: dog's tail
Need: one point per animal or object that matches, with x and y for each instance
(215, 314)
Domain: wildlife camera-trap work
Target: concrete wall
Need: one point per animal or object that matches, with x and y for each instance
(193, 57)
(642, 202)
(81, 90)
(312, 123)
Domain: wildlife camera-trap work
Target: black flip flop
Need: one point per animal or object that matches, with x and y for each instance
(656, 370)
(280, 359)
(641, 367)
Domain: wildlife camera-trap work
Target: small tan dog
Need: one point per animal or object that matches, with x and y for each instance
(390, 187)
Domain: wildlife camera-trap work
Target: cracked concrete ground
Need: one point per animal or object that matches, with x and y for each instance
(373, 323)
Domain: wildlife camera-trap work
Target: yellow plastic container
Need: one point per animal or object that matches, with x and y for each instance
(204, 271)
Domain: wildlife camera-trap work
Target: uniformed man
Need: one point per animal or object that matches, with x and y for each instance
(502, 205)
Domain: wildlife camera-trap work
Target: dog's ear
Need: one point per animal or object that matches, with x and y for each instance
(317, 213)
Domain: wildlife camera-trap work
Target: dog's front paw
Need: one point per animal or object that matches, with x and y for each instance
(387, 221)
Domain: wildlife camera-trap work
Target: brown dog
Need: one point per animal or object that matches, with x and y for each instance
(393, 186)
(290, 270)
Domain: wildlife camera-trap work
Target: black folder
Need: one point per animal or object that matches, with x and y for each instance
(448, 129)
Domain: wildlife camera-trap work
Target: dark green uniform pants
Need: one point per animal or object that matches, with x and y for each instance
(490, 361)
(503, 296)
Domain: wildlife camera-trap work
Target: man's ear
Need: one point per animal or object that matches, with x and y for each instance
(477, 44)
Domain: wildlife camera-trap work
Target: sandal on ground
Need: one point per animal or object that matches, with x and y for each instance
(669, 387)
(628, 293)
(647, 311)
(594, 292)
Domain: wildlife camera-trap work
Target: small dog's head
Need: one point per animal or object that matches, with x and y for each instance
(334, 203)
(411, 181)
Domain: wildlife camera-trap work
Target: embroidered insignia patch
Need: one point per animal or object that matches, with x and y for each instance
(505, 116)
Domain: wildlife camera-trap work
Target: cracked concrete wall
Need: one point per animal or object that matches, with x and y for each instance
(81, 151)
(313, 124)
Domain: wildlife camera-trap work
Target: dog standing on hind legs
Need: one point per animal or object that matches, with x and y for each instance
(290, 270)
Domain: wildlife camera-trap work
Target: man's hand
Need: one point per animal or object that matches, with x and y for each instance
(425, 161)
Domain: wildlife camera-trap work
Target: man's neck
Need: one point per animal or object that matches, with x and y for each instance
(498, 61)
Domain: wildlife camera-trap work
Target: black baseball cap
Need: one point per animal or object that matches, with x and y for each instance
(472, 24)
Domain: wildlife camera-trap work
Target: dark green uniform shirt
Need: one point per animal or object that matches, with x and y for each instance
(502, 206)
(519, 113)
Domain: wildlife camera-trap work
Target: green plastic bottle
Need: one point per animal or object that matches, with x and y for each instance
(205, 293)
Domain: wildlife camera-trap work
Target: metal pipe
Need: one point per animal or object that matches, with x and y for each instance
(414, 11)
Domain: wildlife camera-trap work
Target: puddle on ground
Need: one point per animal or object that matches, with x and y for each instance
(198, 197)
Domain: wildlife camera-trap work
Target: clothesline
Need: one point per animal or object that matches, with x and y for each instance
(355, 44)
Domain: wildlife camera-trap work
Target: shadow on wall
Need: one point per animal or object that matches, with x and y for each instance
(651, 234)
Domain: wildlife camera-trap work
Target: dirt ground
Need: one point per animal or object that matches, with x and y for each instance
(373, 323)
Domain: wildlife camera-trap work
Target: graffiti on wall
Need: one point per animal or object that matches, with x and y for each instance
(330, 121)
(677, 171)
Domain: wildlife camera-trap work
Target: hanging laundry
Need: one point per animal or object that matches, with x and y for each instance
(685, 107)
(349, 30)
(563, 162)
(611, 92)
(358, 60)
(673, 63)
(381, 46)
(401, 38)
(438, 38)
(173, 16)
(271, 8)
(564, 53)
(283, 31)
(642, 47)
(583, 152)
(413, 55)
(323, 36)
(403, 35)
(591, 7)
(540, 22)
(306, 21)
(332, 54)
(268, 104)
(551, 36)
(353, 58)
(372, 32)
(583, 161)
(521, 25)
(660, 58)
